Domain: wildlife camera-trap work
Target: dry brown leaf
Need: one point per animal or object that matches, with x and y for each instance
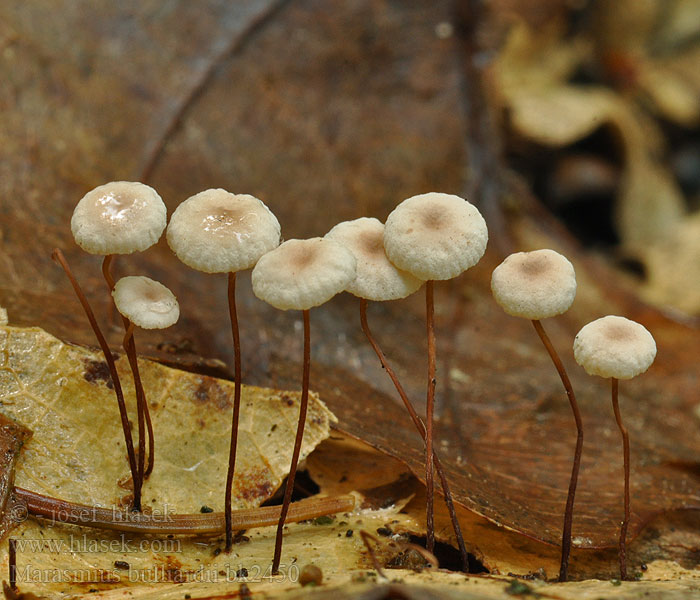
(673, 266)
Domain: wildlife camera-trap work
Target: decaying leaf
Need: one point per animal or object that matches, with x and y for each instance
(63, 394)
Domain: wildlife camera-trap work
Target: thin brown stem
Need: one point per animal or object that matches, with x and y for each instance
(236, 407)
(107, 273)
(109, 359)
(166, 523)
(373, 557)
(421, 430)
(109, 278)
(297, 445)
(13, 563)
(626, 452)
(569, 511)
(430, 327)
(130, 349)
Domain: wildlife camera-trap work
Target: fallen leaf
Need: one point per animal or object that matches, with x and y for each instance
(63, 394)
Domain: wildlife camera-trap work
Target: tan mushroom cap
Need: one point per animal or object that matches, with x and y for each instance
(146, 303)
(534, 285)
(120, 217)
(216, 231)
(377, 279)
(435, 236)
(614, 347)
(301, 274)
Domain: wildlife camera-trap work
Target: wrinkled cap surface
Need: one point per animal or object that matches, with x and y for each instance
(614, 347)
(435, 236)
(120, 217)
(377, 279)
(301, 274)
(534, 285)
(219, 232)
(146, 303)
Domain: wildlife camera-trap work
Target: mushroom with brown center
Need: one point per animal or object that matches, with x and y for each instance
(379, 280)
(299, 275)
(150, 305)
(215, 231)
(434, 236)
(120, 217)
(617, 348)
(537, 285)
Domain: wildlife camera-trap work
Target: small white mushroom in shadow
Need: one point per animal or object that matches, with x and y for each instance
(534, 285)
(537, 285)
(617, 348)
(147, 304)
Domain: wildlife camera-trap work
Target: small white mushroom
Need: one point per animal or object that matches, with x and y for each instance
(146, 303)
(617, 348)
(120, 217)
(537, 285)
(216, 231)
(377, 278)
(150, 305)
(534, 285)
(614, 347)
(434, 236)
(301, 274)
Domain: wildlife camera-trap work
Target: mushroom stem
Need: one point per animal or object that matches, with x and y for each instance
(373, 557)
(626, 452)
(107, 274)
(430, 327)
(13, 563)
(130, 349)
(569, 511)
(297, 445)
(58, 256)
(62, 511)
(236, 407)
(420, 426)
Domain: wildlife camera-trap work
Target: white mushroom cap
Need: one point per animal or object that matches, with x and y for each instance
(301, 274)
(219, 232)
(534, 285)
(377, 279)
(435, 236)
(120, 217)
(146, 303)
(614, 347)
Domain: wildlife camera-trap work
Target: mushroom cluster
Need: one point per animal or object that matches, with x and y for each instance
(427, 238)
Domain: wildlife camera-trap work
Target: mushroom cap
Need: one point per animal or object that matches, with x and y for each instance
(146, 303)
(301, 274)
(534, 285)
(614, 347)
(377, 279)
(120, 217)
(435, 236)
(216, 231)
